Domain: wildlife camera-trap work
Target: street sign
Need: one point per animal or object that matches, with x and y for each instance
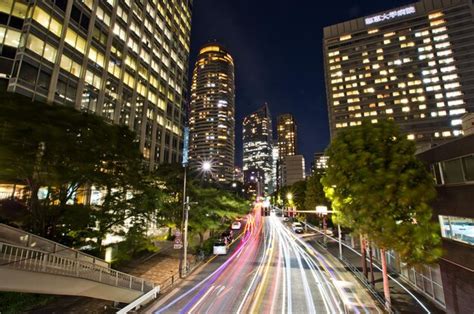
(178, 240)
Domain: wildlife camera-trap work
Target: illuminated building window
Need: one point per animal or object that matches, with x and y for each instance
(455, 112)
(439, 30)
(346, 37)
(435, 15)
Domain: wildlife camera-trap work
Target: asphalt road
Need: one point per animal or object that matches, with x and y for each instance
(270, 270)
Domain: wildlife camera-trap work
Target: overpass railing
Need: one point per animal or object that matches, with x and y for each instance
(29, 259)
(22, 238)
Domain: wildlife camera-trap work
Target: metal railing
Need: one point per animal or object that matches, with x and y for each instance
(28, 259)
(144, 299)
(22, 238)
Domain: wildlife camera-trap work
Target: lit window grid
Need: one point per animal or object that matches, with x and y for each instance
(357, 80)
(211, 120)
(74, 61)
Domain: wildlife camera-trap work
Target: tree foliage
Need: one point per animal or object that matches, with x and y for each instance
(315, 192)
(63, 152)
(382, 191)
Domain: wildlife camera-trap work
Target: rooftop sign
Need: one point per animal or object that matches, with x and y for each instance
(390, 15)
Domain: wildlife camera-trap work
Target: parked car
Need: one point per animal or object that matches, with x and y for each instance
(220, 248)
(236, 225)
(286, 218)
(297, 227)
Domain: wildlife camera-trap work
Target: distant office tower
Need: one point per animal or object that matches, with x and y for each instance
(126, 61)
(275, 166)
(412, 64)
(212, 111)
(254, 182)
(257, 142)
(293, 169)
(320, 162)
(286, 132)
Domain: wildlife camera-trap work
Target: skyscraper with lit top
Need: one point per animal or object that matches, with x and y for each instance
(212, 112)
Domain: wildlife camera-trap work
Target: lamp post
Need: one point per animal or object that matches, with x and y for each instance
(289, 196)
(323, 211)
(206, 166)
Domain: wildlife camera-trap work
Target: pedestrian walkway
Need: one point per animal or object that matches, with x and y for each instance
(402, 301)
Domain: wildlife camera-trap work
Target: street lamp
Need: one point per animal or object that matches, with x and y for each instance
(289, 196)
(206, 166)
(323, 211)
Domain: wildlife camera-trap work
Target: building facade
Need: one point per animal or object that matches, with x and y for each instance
(124, 60)
(257, 143)
(254, 182)
(452, 166)
(276, 172)
(286, 135)
(412, 64)
(293, 169)
(320, 162)
(212, 112)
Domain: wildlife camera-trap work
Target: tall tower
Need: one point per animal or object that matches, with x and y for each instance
(257, 140)
(126, 61)
(286, 131)
(212, 112)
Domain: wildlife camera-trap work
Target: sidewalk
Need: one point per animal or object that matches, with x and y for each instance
(402, 302)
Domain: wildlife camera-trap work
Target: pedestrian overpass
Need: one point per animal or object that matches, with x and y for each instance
(32, 264)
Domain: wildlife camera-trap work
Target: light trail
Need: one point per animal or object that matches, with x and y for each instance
(271, 270)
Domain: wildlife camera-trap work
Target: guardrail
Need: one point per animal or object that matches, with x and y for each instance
(33, 260)
(135, 305)
(22, 238)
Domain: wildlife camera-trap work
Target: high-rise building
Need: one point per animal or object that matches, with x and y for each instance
(257, 142)
(320, 162)
(212, 112)
(126, 61)
(275, 166)
(254, 182)
(286, 132)
(411, 64)
(293, 169)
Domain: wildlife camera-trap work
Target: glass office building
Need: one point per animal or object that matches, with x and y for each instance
(124, 60)
(257, 142)
(412, 64)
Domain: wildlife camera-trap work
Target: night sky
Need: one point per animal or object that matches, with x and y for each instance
(277, 51)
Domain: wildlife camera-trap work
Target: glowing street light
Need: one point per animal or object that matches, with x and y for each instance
(289, 196)
(206, 166)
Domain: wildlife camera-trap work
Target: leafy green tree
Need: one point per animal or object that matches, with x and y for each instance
(298, 190)
(380, 189)
(315, 192)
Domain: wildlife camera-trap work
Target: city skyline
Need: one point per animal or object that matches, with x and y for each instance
(254, 39)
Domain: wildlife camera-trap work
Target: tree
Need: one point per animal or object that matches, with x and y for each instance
(382, 191)
(298, 189)
(314, 192)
